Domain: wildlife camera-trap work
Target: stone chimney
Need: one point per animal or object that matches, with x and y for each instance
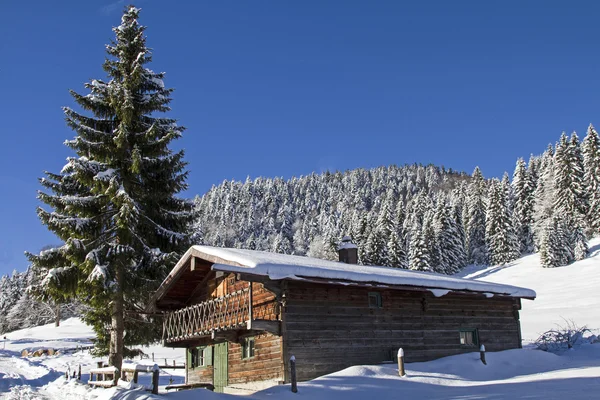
(348, 251)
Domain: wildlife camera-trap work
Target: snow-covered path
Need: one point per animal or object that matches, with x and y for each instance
(21, 378)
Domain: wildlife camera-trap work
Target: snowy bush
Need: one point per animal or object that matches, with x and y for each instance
(565, 337)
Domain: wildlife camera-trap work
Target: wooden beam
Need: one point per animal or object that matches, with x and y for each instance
(250, 304)
(273, 327)
(192, 263)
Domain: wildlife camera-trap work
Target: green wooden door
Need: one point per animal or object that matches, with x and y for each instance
(220, 366)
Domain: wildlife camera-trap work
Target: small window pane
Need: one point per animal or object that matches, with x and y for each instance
(468, 338)
(374, 300)
(248, 348)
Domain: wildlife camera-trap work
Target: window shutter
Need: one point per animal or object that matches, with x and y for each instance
(208, 356)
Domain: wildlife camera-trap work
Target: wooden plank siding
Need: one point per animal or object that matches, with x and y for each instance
(329, 327)
(266, 364)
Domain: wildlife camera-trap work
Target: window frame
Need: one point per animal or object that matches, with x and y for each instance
(248, 348)
(475, 336)
(200, 356)
(378, 301)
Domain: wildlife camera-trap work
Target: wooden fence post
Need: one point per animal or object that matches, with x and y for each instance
(401, 371)
(155, 373)
(135, 377)
(482, 354)
(116, 377)
(79, 373)
(293, 374)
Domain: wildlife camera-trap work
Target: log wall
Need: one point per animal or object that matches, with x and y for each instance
(266, 364)
(329, 328)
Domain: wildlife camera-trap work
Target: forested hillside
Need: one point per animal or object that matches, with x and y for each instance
(20, 309)
(425, 218)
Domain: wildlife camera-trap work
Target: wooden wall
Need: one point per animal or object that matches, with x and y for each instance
(329, 328)
(200, 374)
(267, 362)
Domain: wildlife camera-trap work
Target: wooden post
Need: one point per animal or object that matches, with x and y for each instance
(79, 373)
(135, 377)
(173, 362)
(293, 374)
(116, 377)
(155, 373)
(401, 370)
(91, 376)
(152, 357)
(482, 354)
(250, 311)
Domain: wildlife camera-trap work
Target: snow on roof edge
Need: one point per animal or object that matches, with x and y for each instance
(282, 266)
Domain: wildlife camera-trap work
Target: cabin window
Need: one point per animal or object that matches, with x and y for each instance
(374, 300)
(200, 357)
(469, 337)
(248, 348)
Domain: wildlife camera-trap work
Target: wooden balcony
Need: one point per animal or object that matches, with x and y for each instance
(229, 313)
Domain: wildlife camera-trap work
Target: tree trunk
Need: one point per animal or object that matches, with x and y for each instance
(57, 315)
(115, 356)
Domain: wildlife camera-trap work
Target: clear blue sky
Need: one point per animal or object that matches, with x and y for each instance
(284, 88)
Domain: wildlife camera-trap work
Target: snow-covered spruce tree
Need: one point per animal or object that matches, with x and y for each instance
(501, 239)
(115, 204)
(12, 288)
(552, 249)
(570, 200)
(376, 252)
(568, 178)
(448, 239)
(475, 214)
(523, 188)
(419, 255)
(591, 178)
(396, 251)
(543, 195)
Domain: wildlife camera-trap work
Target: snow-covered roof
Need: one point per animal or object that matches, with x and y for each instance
(282, 266)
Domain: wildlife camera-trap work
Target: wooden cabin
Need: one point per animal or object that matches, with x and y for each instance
(240, 315)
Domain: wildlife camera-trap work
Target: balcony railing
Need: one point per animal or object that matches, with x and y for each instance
(228, 312)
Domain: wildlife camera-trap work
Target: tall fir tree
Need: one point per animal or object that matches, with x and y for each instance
(477, 251)
(499, 233)
(552, 250)
(591, 178)
(419, 255)
(523, 188)
(115, 204)
(544, 195)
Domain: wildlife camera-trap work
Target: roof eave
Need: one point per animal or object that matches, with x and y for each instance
(249, 274)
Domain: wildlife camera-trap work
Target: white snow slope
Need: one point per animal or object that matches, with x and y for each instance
(571, 293)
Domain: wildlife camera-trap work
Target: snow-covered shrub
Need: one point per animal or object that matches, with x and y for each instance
(565, 337)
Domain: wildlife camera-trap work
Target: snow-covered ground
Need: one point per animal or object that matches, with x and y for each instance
(571, 293)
